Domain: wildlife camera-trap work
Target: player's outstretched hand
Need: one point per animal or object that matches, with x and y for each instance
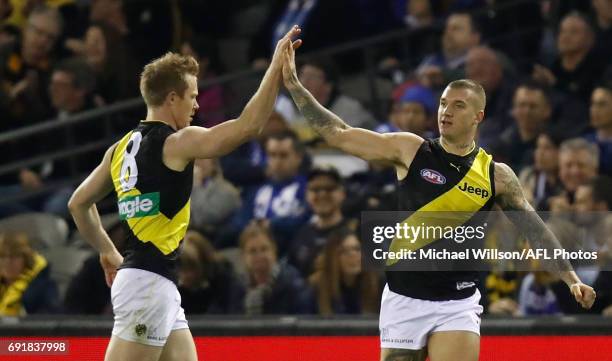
(110, 261)
(584, 294)
(283, 43)
(290, 77)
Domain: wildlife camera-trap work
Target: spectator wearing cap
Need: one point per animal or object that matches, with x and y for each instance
(412, 112)
(324, 195)
(320, 78)
(541, 179)
(601, 121)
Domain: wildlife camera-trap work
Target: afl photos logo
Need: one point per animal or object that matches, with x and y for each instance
(432, 176)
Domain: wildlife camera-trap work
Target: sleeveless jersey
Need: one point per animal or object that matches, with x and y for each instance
(438, 181)
(153, 200)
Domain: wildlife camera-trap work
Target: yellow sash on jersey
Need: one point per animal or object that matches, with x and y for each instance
(166, 234)
(451, 209)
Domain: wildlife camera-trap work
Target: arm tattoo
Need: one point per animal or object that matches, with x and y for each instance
(526, 219)
(322, 120)
(398, 354)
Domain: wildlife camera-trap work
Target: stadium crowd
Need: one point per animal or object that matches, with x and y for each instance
(273, 229)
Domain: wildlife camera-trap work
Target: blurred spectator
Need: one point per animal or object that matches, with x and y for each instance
(325, 195)
(460, 35)
(418, 14)
(531, 111)
(72, 88)
(578, 162)
(213, 199)
(281, 199)
(603, 28)
(269, 287)
(407, 52)
(536, 296)
(484, 66)
(106, 52)
(247, 164)
(340, 284)
(206, 280)
(8, 33)
(319, 77)
(593, 201)
(88, 293)
(577, 68)
(502, 293)
(413, 112)
(210, 98)
(25, 67)
(541, 180)
(25, 283)
(601, 121)
(591, 206)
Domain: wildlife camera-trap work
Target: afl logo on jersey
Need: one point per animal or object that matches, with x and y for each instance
(432, 176)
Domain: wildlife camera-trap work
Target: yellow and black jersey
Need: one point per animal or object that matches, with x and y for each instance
(153, 200)
(438, 181)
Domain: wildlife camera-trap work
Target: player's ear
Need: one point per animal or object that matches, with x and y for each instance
(479, 116)
(171, 97)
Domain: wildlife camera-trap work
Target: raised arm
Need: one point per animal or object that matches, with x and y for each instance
(394, 148)
(197, 142)
(511, 199)
(82, 206)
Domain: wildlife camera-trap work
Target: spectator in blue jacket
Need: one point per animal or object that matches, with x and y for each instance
(281, 198)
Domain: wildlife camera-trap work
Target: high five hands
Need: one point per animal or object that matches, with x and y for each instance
(285, 44)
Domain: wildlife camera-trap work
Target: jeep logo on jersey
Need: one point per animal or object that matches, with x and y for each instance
(483, 193)
(432, 176)
(139, 206)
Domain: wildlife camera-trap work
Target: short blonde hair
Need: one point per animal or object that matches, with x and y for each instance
(165, 75)
(472, 86)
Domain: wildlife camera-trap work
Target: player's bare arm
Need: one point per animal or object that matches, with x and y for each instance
(197, 142)
(397, 149)
(82, 206)
(511, 199)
